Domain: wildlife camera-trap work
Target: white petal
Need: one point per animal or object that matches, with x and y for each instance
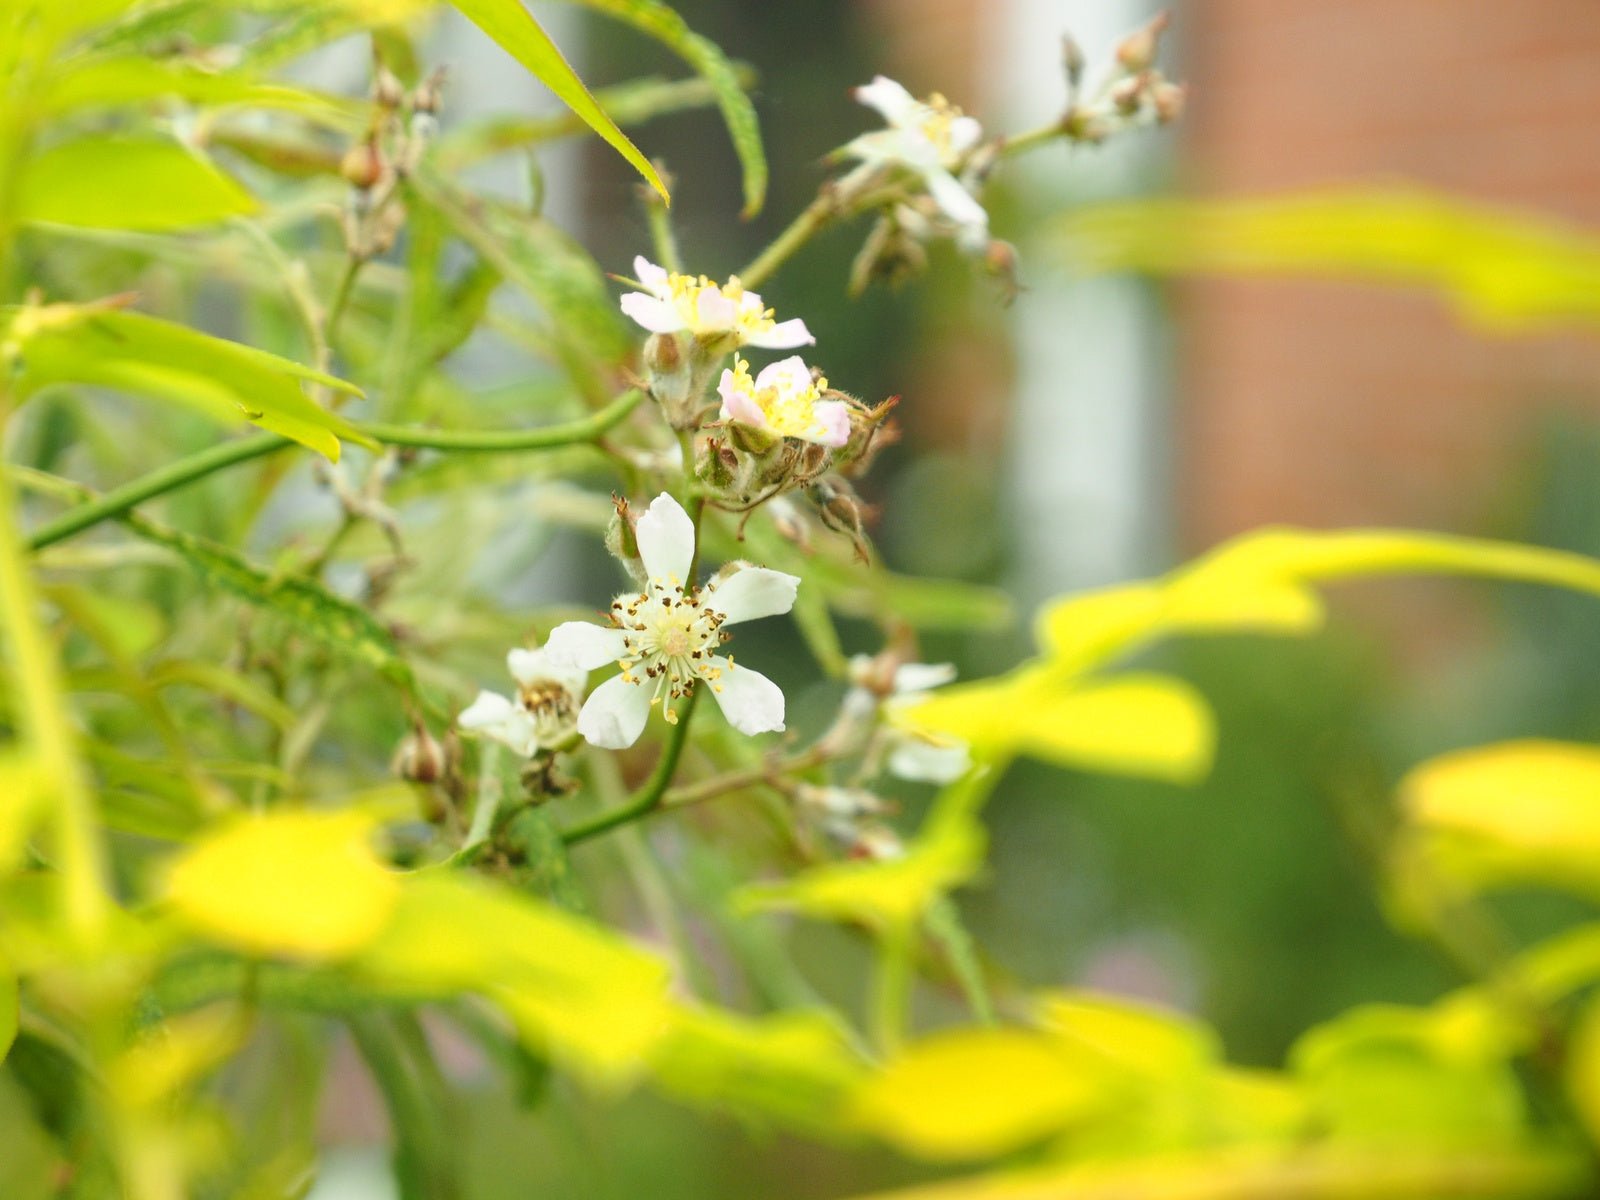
(896, 105)
(529, 667)
(785, 335)
(583, 646)
(958, 203)
(715, 311)
(738, 404)
(666, 540)
(751, 702)
(753, 592)
(965, 133)
(614, 715)
(496, 717)
(927, 762)
(655, 315)
(919, 677)
(647, 273)
(832, 423)
(790, 372)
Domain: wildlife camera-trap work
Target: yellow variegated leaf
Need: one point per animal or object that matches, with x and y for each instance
(293, 882)
(947, 852)
(574, 989)
(1261, 583)
(1147, 725)
(793, 1067)
(977, 1093)
(1134, 1037)
(1527, 810)
(172, 1056)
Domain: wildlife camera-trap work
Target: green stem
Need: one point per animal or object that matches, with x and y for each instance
(197, 466)
(648, 798)
(891, 995)
(421, 1165)
(811, 220)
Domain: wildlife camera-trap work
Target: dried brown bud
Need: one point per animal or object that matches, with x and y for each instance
(419, 758)
(387, 91)
(620, 538)
(362, 166)
(1127, 94)
(426, 98)
(662, 354)
(1072, 61)
(1137, 51)
(717, 465)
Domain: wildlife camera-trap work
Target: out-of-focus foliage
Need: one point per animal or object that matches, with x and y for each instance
(220, 652)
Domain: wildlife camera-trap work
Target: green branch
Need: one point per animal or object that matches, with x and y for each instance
(207, 462)
(648, 798)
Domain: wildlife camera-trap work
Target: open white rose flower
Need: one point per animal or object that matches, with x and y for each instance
(666, 638)
(542, 715)
(930, 138)
(697, 305)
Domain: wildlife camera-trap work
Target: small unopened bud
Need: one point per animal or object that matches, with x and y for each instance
(387, 92)
(789, 521)
(419, 758)
(717, 465)
(1168, 99)
(621, 540)
(1072, 61)
(1137, 51)
(878, 843)
(362, 166)
(426, 98)
(839, 801)
(750, 440)
(1129, 93)
(662, 354)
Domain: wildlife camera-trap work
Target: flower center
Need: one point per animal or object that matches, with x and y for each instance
(552, 706)
(938, 122)
(670, 638)
(748, 315)
(789, 406)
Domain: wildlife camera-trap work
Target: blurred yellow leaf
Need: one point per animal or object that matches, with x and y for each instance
(24, 785)
(1583, 1067)
(795, 1067)
(574, 989)
(292, 882)
(1146, 725)
(173, 1056)
(10, 1007)
(977, 1093)
(1132, 1036)
(1526, 810)
(1261, 583)
(1504, 269)
(946, 852)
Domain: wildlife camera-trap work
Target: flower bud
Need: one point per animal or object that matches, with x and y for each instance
(662, 354)
(362, 166)
(847, 802)
(750, 440)
(1072, 61)
(419, 758)
(1137, 51)
(1127, 94)
(1168, 99)
(717, 465)
(620, 538)
(387, 92)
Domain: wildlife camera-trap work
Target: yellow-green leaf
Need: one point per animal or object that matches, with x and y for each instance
(110, 347)
(1583, 1068)
(1261, 583)
(103, 181)
(1134, 1037)
(574, 989)
(1511, 811)
(124, 80)
(1504, 269)
(10, 1008)
(1146, 725)
(977, 1093)
(293, 882)
(511, 25)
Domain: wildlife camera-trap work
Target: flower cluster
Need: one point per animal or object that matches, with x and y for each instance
(711, 312)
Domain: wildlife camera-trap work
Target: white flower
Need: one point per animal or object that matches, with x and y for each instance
(706, 309)
(784, 399)
(665, 638)
(544, 713)
(922, 757)
(931, 138)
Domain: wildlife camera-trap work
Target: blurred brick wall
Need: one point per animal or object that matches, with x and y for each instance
(1329, 403)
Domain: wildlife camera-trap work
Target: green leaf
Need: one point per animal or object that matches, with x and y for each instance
(509, 24)
(109, 347)
(142, 183)
(1504, 269)
(310, 608)
(126, 80)
(660, 22)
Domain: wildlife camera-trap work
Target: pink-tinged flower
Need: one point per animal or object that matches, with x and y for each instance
(542, 715)
(930, 138)
(923, 757)
(784, 400)
(695, 304)
(666, 638)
